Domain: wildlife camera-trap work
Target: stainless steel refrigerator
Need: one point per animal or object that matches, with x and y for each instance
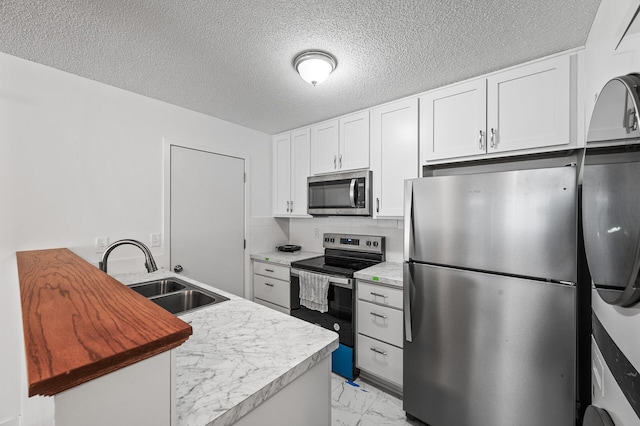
(490, 298)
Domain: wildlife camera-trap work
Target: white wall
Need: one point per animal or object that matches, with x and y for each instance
(603, 62)
(80, 159)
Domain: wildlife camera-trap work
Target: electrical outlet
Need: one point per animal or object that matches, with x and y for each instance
(101, 244)
(316, 232)
(155, 239)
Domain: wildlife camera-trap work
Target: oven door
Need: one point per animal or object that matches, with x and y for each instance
(339, 317)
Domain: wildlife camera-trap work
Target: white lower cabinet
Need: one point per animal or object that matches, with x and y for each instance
(380, 332)
(272, 286)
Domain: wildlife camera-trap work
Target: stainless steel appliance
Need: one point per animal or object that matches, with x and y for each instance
(336, 194)
(611, 229)
(490, 298)
(344, 255)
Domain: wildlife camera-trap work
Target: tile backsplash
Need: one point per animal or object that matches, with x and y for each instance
(265, 233)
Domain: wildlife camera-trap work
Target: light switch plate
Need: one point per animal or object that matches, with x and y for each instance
(101, 244)
(155, 239)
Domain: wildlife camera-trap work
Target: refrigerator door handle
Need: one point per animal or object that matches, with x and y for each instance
(408, 213)
(408, 286)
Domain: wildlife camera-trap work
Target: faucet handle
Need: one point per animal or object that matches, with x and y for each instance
(177, 269)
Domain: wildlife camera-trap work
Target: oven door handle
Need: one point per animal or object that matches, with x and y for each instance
(352, 192)
(333, 280)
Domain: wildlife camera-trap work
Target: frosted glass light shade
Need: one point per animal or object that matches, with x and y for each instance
(314, 67)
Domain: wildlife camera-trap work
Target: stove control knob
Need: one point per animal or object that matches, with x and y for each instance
(368, 243)
(326, 240)
(375, 244)
(332, 240)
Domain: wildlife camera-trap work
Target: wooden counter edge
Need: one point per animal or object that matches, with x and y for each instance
(54, 384)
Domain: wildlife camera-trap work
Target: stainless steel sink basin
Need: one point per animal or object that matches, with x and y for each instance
(156, 288)
(177, 296)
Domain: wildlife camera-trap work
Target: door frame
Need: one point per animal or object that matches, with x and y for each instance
(167, 143)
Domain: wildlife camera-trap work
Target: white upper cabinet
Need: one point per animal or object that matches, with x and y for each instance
(453, 121)
(394, 154)
(291, 164)
(529, 107)
(324, 147)
(524, 108)
(354, 142)
(340, 145)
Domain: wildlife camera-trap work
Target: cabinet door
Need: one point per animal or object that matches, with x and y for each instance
(453, 121)
(300, 167)
(530, 106)
(354, 142)
(281, 174)
(324, 147)
(394, 154)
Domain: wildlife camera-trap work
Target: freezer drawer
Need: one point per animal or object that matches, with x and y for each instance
(488, 349)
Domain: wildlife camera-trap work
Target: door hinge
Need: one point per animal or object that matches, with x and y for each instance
(245, 178)
(245, 244)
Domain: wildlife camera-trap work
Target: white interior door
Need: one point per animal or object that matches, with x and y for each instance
(207, 217)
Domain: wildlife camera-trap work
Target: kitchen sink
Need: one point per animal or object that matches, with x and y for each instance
(177, 296)
(156, 288)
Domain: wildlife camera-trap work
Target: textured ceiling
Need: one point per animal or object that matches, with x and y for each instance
(232, 58)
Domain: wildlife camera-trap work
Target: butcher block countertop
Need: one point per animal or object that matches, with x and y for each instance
(79, 323)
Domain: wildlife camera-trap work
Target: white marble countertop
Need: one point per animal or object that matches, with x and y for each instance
(385, 272)
(284, 258)
(240, 354)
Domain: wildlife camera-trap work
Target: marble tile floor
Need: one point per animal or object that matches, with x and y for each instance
(361, 404)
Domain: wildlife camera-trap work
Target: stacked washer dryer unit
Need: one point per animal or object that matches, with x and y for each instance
(611, 229)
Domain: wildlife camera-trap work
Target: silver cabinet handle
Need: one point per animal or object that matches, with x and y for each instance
(269, 270)
(269, 284)
(481, 141)
(287, 207)
(375, 314)
(292, 206)
(378, 295)
(377, 205)
(340, 161)
(493, 138)
(335, 157)
(378, 351)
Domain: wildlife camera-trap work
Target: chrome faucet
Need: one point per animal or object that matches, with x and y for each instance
(149, 263)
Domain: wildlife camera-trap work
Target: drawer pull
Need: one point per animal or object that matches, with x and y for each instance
(378, 351)
(378, 295)
(269, 270)
(378, 315)
(269, 284)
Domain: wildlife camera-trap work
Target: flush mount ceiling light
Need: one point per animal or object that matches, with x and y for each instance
(314, 66)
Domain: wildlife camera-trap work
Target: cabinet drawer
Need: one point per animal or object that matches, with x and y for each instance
(272, 306)
(379, 358)
(271, 270)
(272, 290)
(380, 322)
(380, 294)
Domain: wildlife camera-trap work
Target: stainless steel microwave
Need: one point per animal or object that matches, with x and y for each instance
(340, 194)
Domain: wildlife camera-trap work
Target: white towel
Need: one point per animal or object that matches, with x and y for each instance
(313, 291)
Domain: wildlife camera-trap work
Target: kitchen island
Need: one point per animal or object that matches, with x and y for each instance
(242, 355)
